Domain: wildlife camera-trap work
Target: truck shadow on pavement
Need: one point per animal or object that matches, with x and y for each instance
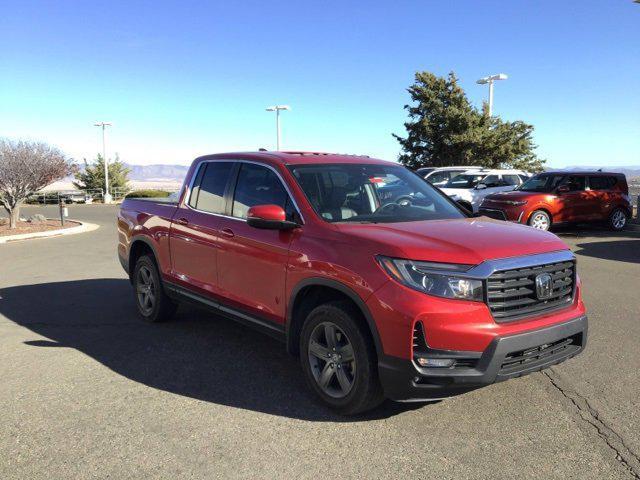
(626, 249)
(620, 251)
(198, 354)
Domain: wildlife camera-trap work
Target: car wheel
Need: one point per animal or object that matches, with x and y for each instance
(540, 220)
(339, 360)
(617, 219)
(153, 303)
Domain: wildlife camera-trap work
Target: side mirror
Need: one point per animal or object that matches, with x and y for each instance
(269, 217)
(563, 189)
(481, 186)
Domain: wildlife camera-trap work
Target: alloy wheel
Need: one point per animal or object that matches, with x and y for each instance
(145, 290)
(619, 219)
(332, 360)
(540, 221)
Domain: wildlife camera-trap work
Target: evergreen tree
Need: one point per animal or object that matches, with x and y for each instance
(92, 177)
(445, 129)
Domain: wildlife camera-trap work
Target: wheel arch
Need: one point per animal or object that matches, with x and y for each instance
(311, 292)
(140, 246)
(625, 208)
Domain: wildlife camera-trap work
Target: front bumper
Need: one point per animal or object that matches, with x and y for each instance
(506, 357)
(501, 212)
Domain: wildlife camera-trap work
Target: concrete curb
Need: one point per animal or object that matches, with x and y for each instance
(82, 228)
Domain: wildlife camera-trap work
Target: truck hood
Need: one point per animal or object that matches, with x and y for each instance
(467, 240)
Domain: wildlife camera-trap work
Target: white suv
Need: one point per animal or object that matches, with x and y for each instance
(470, 188)
(439, 176)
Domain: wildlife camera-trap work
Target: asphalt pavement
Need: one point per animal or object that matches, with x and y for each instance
(89, 391)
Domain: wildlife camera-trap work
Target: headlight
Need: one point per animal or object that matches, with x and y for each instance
(516, 202)
(437, 279)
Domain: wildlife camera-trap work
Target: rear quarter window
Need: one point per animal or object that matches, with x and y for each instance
(602, 183)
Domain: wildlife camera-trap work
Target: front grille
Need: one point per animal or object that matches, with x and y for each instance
(492, 213)
(521, 360)
(511, 294)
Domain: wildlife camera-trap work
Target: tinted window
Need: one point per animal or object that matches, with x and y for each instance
(576, 183)
(438, 177)
(464, 181)
(601, 183)
(492, 181)
(209, 195)
(371, 194)
(195, 190)
(511, 179)
(543, 182)
(258, 185)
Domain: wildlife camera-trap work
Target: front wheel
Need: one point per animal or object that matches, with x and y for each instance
(339, 359)
(540, 220)
(617, 219)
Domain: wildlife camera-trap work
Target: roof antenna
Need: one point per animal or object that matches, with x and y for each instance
(262, 149)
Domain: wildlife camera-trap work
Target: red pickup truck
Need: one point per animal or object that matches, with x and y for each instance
(411, 300)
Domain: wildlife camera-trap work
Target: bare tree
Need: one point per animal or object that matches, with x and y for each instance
(25, 168)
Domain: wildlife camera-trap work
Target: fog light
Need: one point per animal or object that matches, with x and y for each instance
(435, 362)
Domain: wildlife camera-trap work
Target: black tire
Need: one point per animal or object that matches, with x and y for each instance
(617, 219)
(540, 219)
(365, 391)
(157, 307)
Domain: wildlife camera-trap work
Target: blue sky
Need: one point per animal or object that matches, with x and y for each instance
(180, 79)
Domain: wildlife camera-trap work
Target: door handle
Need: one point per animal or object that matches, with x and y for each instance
(227, 232)
(182, 221)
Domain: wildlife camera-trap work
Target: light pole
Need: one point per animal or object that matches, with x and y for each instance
(277, 108)
(490, 79)
(107, 196)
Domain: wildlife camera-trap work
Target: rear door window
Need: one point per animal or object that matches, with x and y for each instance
(208, 195)
(576, 183)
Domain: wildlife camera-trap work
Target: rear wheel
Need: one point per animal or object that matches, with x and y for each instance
(540, 220)
(153, 303)
(339, 359)
(617, 219)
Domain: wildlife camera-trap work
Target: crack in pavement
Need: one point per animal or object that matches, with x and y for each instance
(623, 454)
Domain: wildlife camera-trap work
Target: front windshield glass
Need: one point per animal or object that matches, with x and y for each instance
(371, 194)
(541, 183)
(465, 180)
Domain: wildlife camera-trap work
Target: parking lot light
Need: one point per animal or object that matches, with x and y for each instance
(107, 196)
(277, 108)
(490, 79)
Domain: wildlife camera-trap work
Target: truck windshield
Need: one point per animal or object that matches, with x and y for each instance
(464, 180)
(541, 183)
(371, 194)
